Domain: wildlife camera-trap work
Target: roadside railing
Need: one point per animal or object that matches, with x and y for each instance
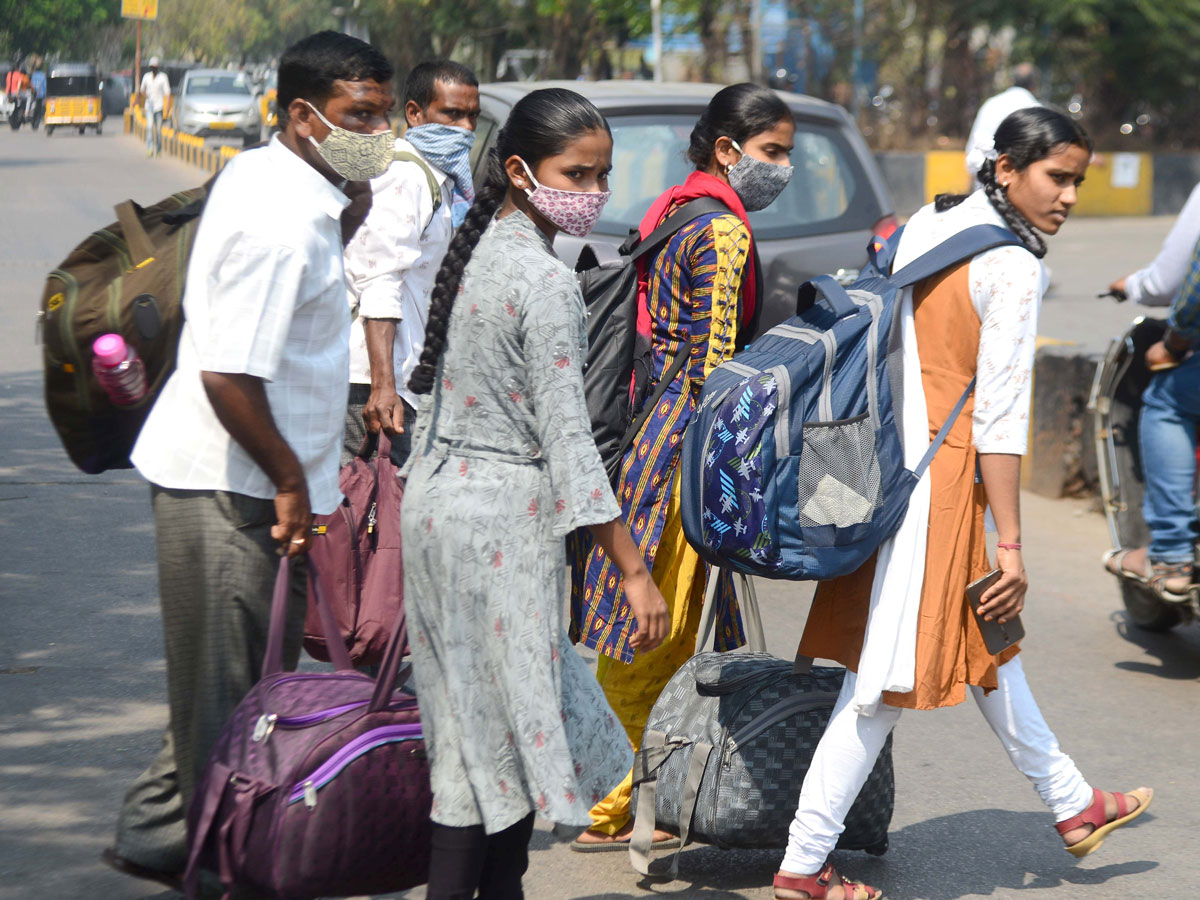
(186, 148)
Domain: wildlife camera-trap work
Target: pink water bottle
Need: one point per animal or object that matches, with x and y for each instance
(119, 369)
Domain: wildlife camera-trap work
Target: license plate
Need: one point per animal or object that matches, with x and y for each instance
(219, 125)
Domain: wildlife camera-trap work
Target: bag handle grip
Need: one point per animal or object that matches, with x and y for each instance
(141, 248)
(273, 660)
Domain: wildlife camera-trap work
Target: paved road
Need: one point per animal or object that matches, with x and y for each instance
(81, 690)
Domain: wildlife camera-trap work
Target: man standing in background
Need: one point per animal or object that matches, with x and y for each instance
(995, 110)
(156, 92)
(393, 260)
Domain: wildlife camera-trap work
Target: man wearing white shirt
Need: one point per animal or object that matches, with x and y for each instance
(393, 260)
(156, 91)
(995, 110)
(241, 447)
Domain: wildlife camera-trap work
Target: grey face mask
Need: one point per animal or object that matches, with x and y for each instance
(757, 183)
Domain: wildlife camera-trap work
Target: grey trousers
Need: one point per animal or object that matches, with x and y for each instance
(356, 428)
(216, 573)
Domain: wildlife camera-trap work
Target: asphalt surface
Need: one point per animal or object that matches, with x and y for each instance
(81, 671)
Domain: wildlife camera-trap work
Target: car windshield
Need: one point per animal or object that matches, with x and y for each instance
(649, 155)
(217, 84)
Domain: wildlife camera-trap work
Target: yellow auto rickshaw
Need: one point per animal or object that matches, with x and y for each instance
(73, 97)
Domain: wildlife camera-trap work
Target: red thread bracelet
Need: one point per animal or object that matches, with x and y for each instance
(1004, 546)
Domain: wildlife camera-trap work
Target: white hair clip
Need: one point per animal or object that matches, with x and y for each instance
(992, 154)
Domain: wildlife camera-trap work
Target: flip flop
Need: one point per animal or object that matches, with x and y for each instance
(622, 845)
(1095, 816)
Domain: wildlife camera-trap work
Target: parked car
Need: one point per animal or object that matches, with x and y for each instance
(820, 225)
(114, 93)
(217, 103)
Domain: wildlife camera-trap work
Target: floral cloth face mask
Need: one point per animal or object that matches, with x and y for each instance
(574, 212)
(757, 183)
(356, 157)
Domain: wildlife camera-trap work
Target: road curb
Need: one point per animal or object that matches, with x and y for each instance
(184, 147)
(1061, 458)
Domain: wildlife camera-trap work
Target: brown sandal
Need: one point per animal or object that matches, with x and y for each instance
(1096, 816)
(1172, 581)
(816, 887)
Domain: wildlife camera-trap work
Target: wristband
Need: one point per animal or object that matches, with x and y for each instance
(1006, 546)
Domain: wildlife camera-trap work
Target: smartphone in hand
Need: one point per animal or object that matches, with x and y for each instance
(997, 636)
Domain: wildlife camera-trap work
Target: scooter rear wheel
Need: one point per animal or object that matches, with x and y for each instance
(1146, 610)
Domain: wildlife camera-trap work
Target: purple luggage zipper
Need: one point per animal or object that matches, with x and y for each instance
(389, 734)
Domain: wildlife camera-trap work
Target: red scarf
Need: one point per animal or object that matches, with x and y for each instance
(698, 184)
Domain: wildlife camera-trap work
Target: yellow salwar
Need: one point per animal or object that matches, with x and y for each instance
(632, 688)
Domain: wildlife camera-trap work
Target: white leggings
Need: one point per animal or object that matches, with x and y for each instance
(847, 752)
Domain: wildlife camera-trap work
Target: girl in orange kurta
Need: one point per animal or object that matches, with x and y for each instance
(976, 320)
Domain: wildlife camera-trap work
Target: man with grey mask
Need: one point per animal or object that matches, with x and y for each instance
(242, 446)
(394, 259)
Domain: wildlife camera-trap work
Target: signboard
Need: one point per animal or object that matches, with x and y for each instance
(139, 9)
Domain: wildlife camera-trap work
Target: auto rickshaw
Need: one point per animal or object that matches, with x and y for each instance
(73, 97)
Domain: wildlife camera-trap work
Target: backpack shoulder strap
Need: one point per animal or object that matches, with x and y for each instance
(434, 188)
(689, 212)
(967, 243)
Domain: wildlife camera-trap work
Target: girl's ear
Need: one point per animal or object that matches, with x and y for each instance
(1005, 170)
(518, 178)
(724, 153)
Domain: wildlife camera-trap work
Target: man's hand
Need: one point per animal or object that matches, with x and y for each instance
(355, 214)
(1158, 358)
(1117, 287)
(293, 528)
(384, 410)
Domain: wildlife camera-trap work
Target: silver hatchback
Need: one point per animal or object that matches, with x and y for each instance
(820, 225)
(217, 103)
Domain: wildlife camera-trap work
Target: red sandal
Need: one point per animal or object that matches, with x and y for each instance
(1095, 816)
(816, 887)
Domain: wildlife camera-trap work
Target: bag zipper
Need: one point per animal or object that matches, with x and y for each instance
(389, 734)
(267, 722)
(784, 709)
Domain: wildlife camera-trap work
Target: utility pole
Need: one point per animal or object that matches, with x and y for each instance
(755, 60)
(657, 40)
(856, 73)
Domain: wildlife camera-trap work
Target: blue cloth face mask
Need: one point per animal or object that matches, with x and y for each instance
(449, 148)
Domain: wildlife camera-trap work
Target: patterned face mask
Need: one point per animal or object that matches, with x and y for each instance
(356, 157)
(575, 212)
(757, 183)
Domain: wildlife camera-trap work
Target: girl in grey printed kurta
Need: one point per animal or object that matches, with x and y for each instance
(504, 467)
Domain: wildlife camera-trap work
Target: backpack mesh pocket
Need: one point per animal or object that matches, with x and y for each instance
(838, 479)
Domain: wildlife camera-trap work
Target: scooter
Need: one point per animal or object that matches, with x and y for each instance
(1116, 401)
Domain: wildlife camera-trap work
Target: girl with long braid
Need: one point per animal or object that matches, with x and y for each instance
(903, 627)
(503, 467)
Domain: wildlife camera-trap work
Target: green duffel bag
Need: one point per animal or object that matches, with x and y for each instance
(125, 279)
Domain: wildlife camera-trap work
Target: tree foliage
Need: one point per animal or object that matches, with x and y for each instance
(53, 26)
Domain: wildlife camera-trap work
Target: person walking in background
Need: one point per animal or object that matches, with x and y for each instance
(156, 99)
(392, 261)
(1158, 284)
(1167, 427)
(503, 467)
(994, 110)
(703, 298)
(901, 624)
(241, 447)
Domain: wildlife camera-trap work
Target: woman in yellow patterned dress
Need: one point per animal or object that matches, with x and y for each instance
(701, 300)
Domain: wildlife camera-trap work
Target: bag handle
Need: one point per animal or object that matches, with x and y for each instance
(385, 682)
(835, 295)
(751, 618)
(141, 248)
(273, 661)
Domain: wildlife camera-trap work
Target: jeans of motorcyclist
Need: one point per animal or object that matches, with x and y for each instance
(1167, 435)
(154, 121)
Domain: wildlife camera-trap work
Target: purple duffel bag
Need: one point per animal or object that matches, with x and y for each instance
(319, 785)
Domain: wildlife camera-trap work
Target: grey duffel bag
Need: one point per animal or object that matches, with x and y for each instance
(728, 744)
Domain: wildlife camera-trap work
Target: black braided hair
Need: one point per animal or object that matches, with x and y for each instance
(541, 125)
(1026, 136)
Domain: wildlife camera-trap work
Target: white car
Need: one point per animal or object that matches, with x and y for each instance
(217, 103)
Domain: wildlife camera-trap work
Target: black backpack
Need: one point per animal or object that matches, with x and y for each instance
(617, 375)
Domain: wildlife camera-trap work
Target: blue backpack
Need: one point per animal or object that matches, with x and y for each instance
(793, 466)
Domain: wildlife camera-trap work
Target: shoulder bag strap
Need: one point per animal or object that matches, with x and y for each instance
(944, 430)
(434, 188)
(967, 243)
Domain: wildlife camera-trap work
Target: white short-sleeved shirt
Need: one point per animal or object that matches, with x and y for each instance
(156, 89)
(1007, 285)
(266, 297)
(393, 261)
(994, 111)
